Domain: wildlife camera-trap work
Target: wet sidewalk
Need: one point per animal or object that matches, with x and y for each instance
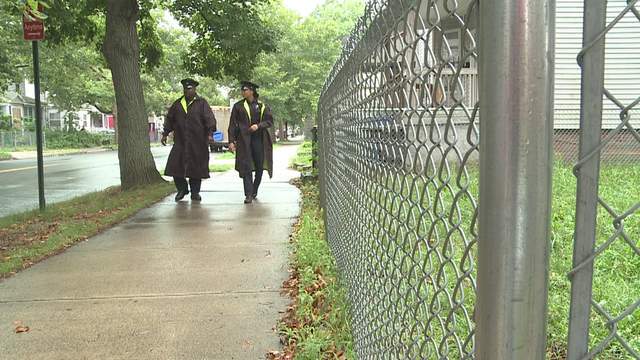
(176, 281)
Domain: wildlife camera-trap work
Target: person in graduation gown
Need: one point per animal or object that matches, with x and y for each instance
(192, 122)
(250, 138)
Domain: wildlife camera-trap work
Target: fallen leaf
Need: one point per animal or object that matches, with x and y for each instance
(21, 329)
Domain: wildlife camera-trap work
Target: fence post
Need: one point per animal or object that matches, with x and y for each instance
(592, 62)
(314, 147)
(516, 127)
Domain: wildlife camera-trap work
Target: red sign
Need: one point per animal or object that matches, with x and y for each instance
(33, 28)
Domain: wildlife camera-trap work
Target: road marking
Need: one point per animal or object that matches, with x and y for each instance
(24, 168)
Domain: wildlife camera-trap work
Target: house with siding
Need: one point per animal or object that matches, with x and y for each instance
(430, 63)
(439, 60)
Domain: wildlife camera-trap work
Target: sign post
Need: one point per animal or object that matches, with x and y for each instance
(33, 27)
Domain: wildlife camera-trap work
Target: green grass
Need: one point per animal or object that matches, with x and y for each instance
(5, 155)
(303, 157)
(214, 168)
(420, 232)
(317, 326)
(221, 167)
(32, 236)
(617, 270)
(225, 156)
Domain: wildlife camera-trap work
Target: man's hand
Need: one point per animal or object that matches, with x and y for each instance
(163, 141)
(253, 128)
(232, 147)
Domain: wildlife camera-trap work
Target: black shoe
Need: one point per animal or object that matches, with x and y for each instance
(248, 200)
(181, 194)
(196, 197)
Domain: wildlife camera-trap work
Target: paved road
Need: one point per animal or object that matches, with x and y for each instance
(65, 177)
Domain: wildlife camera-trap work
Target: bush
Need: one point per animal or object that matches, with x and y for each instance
(77, 139)
(5, 122)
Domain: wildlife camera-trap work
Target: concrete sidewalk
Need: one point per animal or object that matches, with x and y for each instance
(176, 281)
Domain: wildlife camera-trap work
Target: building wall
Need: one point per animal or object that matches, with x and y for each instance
(622, 68)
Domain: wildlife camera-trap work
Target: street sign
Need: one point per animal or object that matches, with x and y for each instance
(33, 24)
(33, 28)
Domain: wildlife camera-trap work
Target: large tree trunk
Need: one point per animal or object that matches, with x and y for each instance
(122, 51)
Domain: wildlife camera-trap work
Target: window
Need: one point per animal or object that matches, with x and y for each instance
(29, 112)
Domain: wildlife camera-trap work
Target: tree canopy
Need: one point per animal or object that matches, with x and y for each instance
(294, 75)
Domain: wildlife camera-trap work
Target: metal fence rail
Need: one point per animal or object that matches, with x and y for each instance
(607, 225)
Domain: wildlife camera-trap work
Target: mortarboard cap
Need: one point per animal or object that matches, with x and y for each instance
(189, 83)
(248, 85)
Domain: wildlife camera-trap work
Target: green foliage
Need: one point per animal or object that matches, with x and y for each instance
(15, 53)
(77, 139)
(29, 124)
(321, 315)
(5, 155)
(5, 122)
(90, 82)
(293, 77)
(229, 35)
(304, 156)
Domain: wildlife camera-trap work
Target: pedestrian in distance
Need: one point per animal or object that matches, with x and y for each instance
(192, 122)
(251, 140)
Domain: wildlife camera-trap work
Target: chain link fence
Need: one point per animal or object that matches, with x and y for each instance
(399, 160)
(12, 140)
(607, 231)
(399, 164)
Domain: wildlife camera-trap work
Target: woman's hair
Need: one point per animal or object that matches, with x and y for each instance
(255, 94)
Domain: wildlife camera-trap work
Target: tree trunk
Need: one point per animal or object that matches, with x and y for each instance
(280, 131)
(122, 50)
(307, 124)
(115, 121)
(286, 131)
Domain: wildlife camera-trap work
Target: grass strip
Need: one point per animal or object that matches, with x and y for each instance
(316, 324)
(228, 155)
(214, 168)
(303, 158)
(221, 167)
(32, 236)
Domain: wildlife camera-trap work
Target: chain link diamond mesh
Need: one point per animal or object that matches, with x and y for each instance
(616, 250)
(399, 173)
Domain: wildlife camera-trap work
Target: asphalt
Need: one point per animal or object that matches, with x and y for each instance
(176, 281)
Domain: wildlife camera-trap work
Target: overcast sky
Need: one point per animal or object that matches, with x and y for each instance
(302, 7)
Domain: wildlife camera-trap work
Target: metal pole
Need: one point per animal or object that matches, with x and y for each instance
(36, 80)
(516, 129)
(595, 14)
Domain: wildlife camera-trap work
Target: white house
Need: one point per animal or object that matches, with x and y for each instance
(432, 38)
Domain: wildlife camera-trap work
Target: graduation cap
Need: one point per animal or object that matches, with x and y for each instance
(189, 83)
(248, 85)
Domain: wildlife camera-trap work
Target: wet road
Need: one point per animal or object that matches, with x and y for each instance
(65, 177)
